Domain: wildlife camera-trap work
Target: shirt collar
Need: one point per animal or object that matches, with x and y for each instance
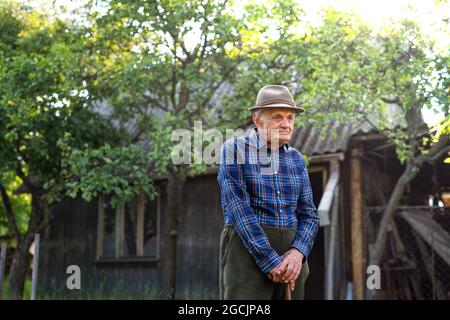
(256, 140)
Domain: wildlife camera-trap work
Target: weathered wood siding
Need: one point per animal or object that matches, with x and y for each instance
(72, 240)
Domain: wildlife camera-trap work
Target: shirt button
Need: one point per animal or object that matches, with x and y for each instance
(276, 172)
(278, 191)
(281, 210)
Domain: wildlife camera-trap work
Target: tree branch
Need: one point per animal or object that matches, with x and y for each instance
(202, 47)
(396, 100)
(204, 27)
(155, 102)
(439, 154)
(22, 176)
(45, 222)
(173, 89)
(218, 84)
(435, 151)
(9, 212)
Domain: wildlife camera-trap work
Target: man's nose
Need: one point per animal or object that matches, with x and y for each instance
(284, 123)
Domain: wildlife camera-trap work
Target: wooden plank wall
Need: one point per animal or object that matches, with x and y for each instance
(72, 240)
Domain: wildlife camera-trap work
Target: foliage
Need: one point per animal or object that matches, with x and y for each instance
(20, 203)
(175, 58)
(345, 71)
(50, 129)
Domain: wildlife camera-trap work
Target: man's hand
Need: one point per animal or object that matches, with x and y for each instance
(274, 274)
(289, 269)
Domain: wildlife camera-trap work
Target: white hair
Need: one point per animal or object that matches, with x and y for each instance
(258, 112)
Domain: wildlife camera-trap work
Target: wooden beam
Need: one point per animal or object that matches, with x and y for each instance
(327, 198)
(430, 231)
(327, 157)
(2, 268)
(119, 230)
(330, 280)
(34, 275)
(357, 226)
(158, 225)
(369, 137)
(399, 246)
(427, 258)
(381, 209)
(100, 225)
(140, 224)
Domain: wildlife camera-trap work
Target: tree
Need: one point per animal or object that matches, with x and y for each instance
(175, 57)
(416, 77)
(46, 123)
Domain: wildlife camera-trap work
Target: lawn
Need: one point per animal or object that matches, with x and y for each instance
(27, 289)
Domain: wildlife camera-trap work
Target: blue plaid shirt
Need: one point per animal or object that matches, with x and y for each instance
(260, 187)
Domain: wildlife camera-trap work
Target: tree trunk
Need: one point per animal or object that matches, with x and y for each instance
(175, 189)
(19, 267)
(380, 242)
(20, 261)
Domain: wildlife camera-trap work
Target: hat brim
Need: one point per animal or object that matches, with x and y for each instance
(278, 105)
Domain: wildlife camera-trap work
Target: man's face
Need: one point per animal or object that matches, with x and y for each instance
(275, 123)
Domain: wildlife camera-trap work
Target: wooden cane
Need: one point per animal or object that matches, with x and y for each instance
(287, 291)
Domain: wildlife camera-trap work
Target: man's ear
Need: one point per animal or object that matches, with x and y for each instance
(257, 119)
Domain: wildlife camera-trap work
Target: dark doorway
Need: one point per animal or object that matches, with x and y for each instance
(314, 288)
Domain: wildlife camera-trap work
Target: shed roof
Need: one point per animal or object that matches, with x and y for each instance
(318, 141)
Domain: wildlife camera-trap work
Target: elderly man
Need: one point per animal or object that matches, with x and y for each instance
(270, 218)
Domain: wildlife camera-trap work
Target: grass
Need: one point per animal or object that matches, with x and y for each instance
(101, 293)
(27, 289)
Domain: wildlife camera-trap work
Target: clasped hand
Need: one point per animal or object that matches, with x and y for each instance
(289, 268)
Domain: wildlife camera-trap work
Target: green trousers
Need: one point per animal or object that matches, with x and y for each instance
(239, 275)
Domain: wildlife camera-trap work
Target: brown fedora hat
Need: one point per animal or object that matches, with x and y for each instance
(275, 96)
